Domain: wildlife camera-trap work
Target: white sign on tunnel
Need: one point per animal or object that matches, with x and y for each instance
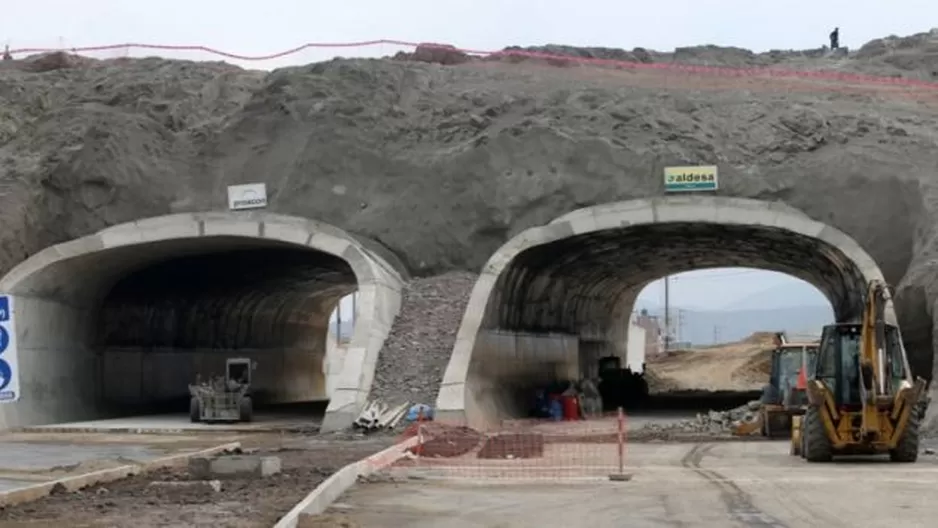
(247, 196)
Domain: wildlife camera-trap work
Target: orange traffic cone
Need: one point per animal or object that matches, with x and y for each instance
(802, 379)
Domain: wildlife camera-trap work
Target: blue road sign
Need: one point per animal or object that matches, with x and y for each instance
(4, 339)
(6, 374)
(4, 308)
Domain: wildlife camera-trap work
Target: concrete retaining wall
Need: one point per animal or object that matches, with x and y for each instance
(142, 376)
(510, 366)
(332, 365)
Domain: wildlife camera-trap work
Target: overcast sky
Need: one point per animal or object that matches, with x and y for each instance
(259, 28)
(254, 28)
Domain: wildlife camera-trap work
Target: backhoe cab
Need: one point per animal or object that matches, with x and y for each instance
(862, 399)
(784, 396)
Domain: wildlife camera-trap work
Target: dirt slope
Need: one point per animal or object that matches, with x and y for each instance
(443, 163)
(742, 366)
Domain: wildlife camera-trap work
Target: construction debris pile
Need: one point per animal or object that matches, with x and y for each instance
(377, 415)
(716, 423)
(415, 354)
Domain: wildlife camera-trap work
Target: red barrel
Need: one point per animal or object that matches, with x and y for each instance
(571, 408)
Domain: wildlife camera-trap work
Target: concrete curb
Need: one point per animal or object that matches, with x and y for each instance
(78, 482)
(42, 429)
(339, 482)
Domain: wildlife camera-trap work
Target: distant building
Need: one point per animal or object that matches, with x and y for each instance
(653, 340)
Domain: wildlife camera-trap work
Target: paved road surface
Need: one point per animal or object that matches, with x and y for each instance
(677, 485)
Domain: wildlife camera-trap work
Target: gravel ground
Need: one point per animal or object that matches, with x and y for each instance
(415, 355)
(242, 503)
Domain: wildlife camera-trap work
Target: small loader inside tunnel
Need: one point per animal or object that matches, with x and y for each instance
(192, 318)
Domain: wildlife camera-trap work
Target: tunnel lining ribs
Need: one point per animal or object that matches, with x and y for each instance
(579, 276)
(55, 290)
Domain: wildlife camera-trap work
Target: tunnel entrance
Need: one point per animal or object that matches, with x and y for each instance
(705, 340)
(558, 298)
(165, 326)
(121, 322)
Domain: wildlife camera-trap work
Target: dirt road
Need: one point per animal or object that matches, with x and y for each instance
(242, 503)
(742, 366)
(705, 485)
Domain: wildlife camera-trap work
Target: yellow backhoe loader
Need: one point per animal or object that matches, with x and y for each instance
(862, 399)
(784, 396)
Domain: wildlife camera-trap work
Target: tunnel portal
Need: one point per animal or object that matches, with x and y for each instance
(123, 320)
(557, 298)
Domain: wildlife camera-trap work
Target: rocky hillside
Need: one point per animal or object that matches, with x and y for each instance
(442, 163)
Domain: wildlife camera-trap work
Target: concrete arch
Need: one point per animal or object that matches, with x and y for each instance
(54, 289)
(458, 399)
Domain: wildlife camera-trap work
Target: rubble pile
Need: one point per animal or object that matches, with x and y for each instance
(715, 423)
(415, 355)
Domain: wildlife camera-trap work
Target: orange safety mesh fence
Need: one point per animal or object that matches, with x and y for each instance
(519, 449)
(664, 74)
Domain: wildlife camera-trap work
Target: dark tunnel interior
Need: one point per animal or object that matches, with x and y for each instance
(165, 325)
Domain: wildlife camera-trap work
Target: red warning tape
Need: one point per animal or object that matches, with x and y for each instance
(663, 66)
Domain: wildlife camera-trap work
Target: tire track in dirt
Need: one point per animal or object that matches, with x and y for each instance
(738, 503)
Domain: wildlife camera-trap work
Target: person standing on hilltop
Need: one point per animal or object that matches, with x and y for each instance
(835, 38)
(6, 53)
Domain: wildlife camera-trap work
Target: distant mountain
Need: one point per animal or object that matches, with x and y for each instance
(791, 295)
(723, 326)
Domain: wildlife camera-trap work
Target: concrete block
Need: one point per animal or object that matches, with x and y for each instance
(338, 420)
(286, 233)
(348, 400)
(234, 466)
(232, 228)
(688, 211)
(583, 224)
(631, 211)
(451, 397)
(159, 228)
(329, 244)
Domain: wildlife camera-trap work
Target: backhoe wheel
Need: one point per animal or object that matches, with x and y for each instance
(195, 412)
(246, 409)
(817, 445)
(907, 449)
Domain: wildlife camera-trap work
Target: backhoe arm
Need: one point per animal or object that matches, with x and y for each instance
(872, 360)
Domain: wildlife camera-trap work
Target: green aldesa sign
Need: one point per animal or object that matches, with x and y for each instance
(702, 178)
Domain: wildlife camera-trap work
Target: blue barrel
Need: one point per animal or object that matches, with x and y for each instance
(556, 410)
